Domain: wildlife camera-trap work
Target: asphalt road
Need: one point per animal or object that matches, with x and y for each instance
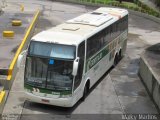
(119, 91)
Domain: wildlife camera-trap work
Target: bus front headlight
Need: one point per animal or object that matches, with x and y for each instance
(28, 90)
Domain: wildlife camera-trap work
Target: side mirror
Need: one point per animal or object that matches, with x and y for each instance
(75, 66)
(20, 58)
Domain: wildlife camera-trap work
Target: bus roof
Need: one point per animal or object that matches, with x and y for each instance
(74, 31)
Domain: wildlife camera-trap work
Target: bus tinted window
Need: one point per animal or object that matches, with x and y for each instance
(94, 44)
(102, 38)
(52, 50)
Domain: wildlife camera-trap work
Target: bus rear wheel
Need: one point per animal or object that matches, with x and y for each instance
(116, 59)
(120, 55)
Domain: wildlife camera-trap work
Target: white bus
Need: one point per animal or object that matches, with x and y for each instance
(64, 62)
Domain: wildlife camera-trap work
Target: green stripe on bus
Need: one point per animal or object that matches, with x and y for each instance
(92, 61)
(43, 90)
(98, 56)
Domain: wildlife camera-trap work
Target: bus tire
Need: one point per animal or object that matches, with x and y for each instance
(85, 92)
(120, 55)
(116, 60)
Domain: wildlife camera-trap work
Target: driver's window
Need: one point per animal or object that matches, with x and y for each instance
(81, 53)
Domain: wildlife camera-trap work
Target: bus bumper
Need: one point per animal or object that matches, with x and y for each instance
(62, 102)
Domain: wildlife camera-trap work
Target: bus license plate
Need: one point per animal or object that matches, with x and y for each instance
(44, 100)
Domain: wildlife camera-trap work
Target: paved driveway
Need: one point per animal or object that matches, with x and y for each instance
(119, 91)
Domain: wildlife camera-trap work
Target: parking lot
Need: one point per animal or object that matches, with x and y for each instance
(119, 91)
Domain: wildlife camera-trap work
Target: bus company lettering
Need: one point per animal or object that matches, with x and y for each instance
(95, 60)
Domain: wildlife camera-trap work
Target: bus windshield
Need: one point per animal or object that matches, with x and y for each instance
(52, 50)
(48, 69)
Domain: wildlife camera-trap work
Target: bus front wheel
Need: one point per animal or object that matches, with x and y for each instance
(85, 92)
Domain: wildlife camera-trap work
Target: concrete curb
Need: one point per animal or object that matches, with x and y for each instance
(155, 19)
(151, 80)
(8, 80)
(3, 101)
(81, 3)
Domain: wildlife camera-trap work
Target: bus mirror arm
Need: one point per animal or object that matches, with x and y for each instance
(20, 57)
(75, 66)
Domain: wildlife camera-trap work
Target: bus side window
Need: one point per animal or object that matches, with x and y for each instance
(106, 37)
(81, 53)
(91, 46)
(95, 43)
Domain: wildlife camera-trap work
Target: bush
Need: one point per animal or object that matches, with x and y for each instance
(157, 3)
(139, 6)
(128, 0)
(112, 3)
(146, 9)
(137, 9)
(143, 11)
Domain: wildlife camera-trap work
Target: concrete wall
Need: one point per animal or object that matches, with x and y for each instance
(150, 80)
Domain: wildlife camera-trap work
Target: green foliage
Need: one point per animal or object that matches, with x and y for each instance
(157, 3)
(148, 10)
(137, 5)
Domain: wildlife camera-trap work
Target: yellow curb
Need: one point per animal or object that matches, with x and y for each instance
(8, 33)
(16, 23)
(21, 46)
(2, 94)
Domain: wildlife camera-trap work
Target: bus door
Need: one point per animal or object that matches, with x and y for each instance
(78, 78)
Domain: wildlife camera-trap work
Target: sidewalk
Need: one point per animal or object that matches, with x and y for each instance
(151, 5)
